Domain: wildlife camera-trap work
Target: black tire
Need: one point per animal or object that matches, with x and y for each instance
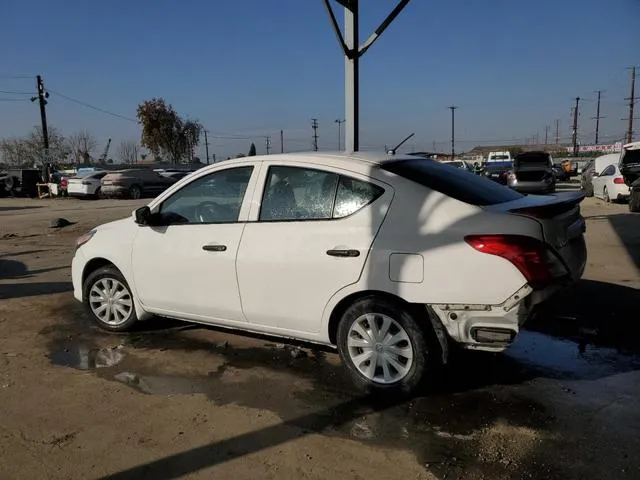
(420, 334)
(108, 274)
(634, 201)
(9, 183)
(135, 192)
(588, 190)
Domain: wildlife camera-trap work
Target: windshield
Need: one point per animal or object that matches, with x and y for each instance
(498, 157)
(456, 183)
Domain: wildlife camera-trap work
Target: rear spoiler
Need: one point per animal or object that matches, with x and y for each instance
(567, 202)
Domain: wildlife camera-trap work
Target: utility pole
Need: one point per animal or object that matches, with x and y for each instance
(314, 126)
(340, 122)
(537, 138)
(546, 134)
(206, 146)
(597, 117)
(632, 101)
(575, 127)
(267, 142)
(281, 141)
(434, 147)
(42, 95)
(557, 131)
(453, 131)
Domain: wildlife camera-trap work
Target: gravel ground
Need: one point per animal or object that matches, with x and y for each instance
(173, 400)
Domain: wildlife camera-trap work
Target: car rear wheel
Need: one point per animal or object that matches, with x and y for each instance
(98, 193)
(135, 192)
(109, 300)
(383, 346)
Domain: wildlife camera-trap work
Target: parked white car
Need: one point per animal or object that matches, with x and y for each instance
(609, 185)
(388, 259)
(85, 184)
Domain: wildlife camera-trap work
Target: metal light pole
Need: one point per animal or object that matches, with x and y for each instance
(352, 54)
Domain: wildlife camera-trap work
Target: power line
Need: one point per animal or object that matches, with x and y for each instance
(14, 99)
(19, 75)
(93, 107)
(11, 92)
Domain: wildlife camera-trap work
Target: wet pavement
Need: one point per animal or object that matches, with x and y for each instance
(465, 425)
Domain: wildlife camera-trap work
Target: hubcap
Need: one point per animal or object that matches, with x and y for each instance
(380, 348)
(110, 301)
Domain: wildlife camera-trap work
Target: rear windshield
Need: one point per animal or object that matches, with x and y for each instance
(498, 157)
(631, 156)
(453, 182)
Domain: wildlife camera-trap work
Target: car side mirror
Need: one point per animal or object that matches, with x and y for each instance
(142, 215)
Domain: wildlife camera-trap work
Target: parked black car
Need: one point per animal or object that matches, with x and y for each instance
(532, 173)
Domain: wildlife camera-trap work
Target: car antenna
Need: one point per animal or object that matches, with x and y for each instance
(393, 150)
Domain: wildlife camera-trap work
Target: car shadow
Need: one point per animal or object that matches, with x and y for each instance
(10, 209)
(627, 227)
(32, 289)
(592, 312)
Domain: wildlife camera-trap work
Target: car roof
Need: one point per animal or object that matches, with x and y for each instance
(361, 158)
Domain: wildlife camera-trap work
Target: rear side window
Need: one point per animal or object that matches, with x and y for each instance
(354, 194)
(453, 182)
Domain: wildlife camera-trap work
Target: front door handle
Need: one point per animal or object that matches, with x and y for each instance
(343, 253)
(214, 248)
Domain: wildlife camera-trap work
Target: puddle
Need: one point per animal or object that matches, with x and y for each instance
(566, 359)
(83, 357)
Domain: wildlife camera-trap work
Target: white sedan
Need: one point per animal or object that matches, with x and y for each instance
(86, 184)
(387, 258)
(610, 186)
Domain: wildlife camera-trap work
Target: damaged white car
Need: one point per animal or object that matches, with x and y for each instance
(387, 258)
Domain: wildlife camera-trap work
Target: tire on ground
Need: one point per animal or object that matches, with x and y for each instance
(107, 274)
(421, 337)
(634, 201)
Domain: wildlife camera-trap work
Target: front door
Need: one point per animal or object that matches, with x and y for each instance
(186, 267)
(310, 239)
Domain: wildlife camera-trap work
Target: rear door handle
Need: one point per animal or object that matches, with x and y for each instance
(214, 248)
(343, 253)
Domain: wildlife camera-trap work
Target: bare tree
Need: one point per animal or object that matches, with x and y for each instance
(128, 152)
(30, 150)
(82, 144)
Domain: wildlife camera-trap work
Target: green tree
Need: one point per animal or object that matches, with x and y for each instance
(165, 133)
(252, 150)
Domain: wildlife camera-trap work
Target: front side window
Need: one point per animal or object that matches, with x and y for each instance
(214, 198)
(295, 193)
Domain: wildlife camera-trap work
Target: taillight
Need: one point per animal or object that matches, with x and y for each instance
(618, 181)
(537, 262)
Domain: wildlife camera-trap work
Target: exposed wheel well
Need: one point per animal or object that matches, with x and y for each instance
(92, 265)
(346, 302)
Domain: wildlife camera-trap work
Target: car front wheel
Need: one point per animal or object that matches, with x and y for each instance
(383, 346)
(109, 300)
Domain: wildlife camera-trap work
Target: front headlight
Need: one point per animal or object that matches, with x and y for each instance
(82, 239)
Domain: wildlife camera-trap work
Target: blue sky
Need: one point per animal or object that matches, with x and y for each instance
(253, 67)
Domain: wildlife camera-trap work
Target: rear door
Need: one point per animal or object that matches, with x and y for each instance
(311, 233)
